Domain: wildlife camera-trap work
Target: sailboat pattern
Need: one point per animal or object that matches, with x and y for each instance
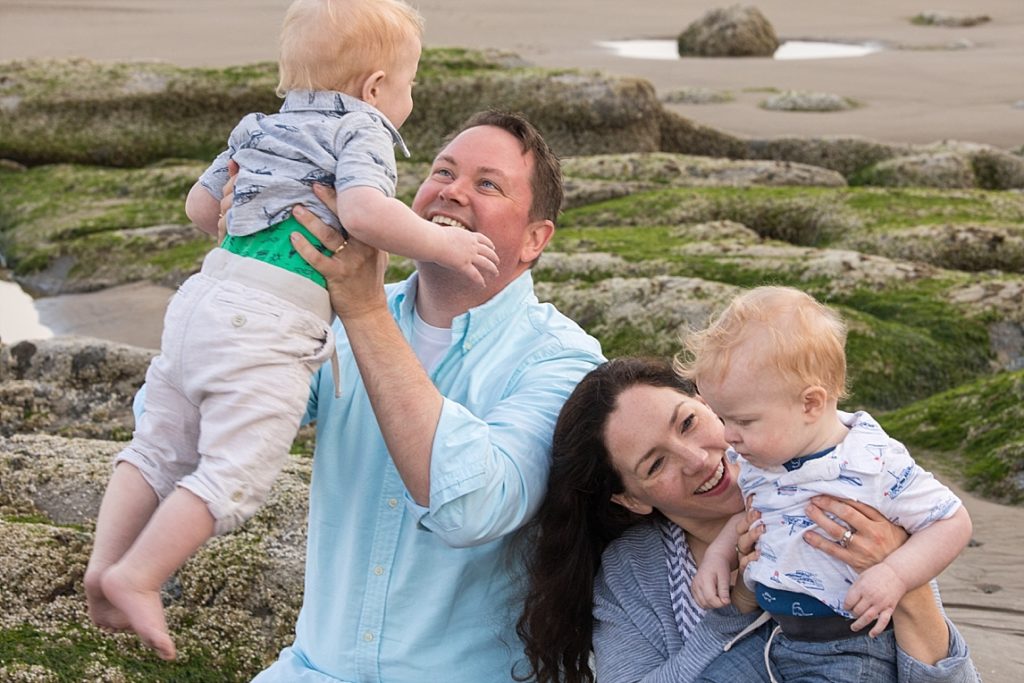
(868, 466)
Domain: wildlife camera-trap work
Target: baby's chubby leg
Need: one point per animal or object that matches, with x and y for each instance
(127, 505)
(132, 585)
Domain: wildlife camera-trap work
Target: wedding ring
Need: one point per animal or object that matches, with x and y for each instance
(343, 245)
(845, 539)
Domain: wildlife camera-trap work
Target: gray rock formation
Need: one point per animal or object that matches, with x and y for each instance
(734, 31)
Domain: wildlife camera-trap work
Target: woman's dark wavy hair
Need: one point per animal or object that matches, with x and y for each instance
(576, 522)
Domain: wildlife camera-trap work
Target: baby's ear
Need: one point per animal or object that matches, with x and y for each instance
(815, 401)
(371, 87)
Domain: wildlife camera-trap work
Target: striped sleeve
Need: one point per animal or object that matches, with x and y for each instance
(636, 638)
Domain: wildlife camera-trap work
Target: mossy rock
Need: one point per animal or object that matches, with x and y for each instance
(649, 170)
(845, 154)
(793, 100)
(70, 386)
(970, 248)
(230, 608)
(578, 113)
(807, 217)
(134, 114)
(949, 19)
(948, 164)
(698, 96)
(946, 170)
(977, 427)
(729, 32)
(111, 226)
(124, 114)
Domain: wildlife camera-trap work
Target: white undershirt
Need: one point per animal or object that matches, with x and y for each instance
(429, 343)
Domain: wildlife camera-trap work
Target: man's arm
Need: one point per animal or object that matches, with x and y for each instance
(404, 400)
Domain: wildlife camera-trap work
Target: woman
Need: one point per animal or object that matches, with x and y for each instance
(639, 486)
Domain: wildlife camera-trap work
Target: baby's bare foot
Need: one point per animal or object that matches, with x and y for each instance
(142, 608)
(102, 613)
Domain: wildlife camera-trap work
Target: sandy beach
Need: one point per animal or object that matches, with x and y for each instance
(908, 95)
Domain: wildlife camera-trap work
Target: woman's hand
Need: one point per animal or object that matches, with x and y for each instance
(870, 538)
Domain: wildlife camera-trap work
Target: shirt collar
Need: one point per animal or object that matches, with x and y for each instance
(339, 102)
(476, 323)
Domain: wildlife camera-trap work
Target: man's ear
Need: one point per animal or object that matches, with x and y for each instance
(815, 401)
(538, 234)
(371, 87)
(632, 504)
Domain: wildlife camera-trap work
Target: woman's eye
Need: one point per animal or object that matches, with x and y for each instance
(687, 424)
(489, 185)
(443, 172)
(655, 466)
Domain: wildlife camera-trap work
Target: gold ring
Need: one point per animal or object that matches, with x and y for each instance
(845, 540)
(343, 245)
(738, 551)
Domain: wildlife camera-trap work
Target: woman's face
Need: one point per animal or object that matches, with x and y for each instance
(669, 449)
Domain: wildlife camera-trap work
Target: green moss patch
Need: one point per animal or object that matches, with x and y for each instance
(977, 427)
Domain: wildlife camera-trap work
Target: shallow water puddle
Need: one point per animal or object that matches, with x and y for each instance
(791, 49)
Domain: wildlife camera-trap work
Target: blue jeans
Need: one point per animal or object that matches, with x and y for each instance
(860, 658)
(743, 663)
(850, 660)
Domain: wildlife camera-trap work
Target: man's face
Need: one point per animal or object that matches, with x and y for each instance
(481, 182)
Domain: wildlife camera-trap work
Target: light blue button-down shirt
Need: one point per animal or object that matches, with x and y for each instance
(401, 593)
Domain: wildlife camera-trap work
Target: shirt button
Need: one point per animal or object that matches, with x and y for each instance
(392, 502)
(368, 636)
(238, 320)
(378, 570)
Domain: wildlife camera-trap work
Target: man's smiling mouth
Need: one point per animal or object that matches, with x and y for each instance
(445, 220)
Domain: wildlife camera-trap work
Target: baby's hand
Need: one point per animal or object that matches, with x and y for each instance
(711, 584)
(874, 596)
(471, 254)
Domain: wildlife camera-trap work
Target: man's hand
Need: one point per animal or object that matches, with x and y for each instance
(226, 200)
(354, 273)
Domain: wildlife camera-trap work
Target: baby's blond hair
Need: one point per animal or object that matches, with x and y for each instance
(802, 339)
(335, 44)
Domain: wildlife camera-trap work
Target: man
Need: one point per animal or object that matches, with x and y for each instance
(438, 446)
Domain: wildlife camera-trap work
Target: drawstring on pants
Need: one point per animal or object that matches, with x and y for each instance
(750, 628)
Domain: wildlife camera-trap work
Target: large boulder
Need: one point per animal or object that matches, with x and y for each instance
(734, 31)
